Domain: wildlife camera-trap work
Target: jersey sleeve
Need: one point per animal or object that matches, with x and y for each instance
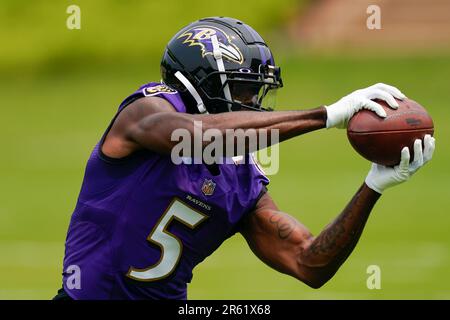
(165, 92)
(155, 89)
(152, 89)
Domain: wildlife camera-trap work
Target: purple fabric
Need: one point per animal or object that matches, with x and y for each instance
(120, 203)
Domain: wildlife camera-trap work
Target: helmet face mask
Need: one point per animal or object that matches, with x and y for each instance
(237, 72)
(249, 90)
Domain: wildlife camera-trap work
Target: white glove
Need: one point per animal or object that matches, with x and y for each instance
(380, 177)
(339, 113)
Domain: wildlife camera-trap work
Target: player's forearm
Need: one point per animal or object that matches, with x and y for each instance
(155, 132)
(333, 245)
(289, 123)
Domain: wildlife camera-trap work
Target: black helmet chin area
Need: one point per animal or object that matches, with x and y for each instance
(249, 90)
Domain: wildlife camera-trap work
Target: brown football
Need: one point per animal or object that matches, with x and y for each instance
(381, 140)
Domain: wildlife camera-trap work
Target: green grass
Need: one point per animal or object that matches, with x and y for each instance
(36, 38)
(50, 123)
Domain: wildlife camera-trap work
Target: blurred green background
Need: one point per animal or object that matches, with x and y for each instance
(59, 89)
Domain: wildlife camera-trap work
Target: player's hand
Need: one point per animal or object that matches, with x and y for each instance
(339, 113)
(380, 177)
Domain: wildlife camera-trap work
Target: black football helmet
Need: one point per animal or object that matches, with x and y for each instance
(221, 64)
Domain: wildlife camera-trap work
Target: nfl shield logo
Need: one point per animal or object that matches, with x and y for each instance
(208, 187)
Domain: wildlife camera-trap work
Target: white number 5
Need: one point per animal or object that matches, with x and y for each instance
(171, 246)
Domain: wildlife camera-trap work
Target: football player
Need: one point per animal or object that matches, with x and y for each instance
(142, 223)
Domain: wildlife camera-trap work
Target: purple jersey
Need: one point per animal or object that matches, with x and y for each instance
(142, 223)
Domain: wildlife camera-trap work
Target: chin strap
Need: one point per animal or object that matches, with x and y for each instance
(220, 66)
(200, 105)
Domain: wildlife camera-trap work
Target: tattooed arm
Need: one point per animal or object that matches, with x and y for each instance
(286, 245)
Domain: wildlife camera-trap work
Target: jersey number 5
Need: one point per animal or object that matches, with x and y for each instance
(171, 246)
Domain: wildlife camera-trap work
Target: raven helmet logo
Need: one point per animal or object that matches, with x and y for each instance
(208, 187)
(201, 36)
